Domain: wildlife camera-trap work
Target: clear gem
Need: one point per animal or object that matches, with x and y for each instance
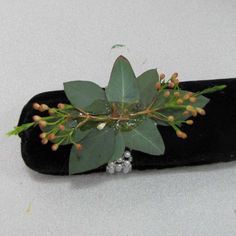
(110, 170)
(127, 154)
(118, 168)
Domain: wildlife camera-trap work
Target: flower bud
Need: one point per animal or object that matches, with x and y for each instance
(101, 126)
(51, 111)
(43, 135)
(179, 101)
(36, 106)
(78, 146)
(174, 76)
(42, 123)
(201, 111)
(185, 113)
(184, 135)
(194, 113)
(37, 118)
(158, 85)
(177, 94)
(189, 122)
(51, 136)
(171, 85)
(61, 105)
(167, 93)
(190, 94)
(162, 76)
(181, 134)
(44, 141)
(44, 107)
(192, 99)
(190, 108)
(54, 147)
(186, 97)
(170, 118)
(61, 127)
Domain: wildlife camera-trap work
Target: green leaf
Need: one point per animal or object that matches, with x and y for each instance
(97, 149)
(146, 85)
(88, 96)
(213, 89)
(122, 86)
(80, 134)
(119, 147)
(145, 138)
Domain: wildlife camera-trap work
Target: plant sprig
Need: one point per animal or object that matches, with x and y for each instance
(125, 114)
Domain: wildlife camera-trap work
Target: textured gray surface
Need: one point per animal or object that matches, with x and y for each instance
(42, 44)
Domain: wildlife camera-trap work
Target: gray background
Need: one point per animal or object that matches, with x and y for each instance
(42, 44)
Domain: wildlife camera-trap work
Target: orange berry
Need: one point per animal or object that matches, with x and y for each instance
(167, 93)
(190, 108)
(51, 111)
(179, 133)
(42, 123)
(179, 101)
(44, 141)
(185, 113)
(171, 85)
(78, 146)
(201, 111)
(186, 97)
(36, 106)
(37, 118)
(162, 76)
(184, 135)
(158, 85)
(194, 113)
(189, 122)
(54, 147)
(174, 76)
(61, 105)
(61, 127)
(176, 94)
(190, 94)
(51, 136)
(170, 118)
(192, 99)
(44, 107)
(43, 135)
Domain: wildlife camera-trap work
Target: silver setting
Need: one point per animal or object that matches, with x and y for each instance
(122, 165)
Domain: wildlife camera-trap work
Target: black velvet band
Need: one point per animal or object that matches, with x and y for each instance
(211, 139)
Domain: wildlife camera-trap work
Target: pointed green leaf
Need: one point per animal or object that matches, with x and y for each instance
(146, 85)
(122, 86)
(119, 147)
(145, 138)
(87, 96)
(97, 149)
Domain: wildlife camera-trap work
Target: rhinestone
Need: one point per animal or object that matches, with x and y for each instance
(126, 169)
(118, 168)
(110, 170)
(120, 160)
(129, 158)
(127, 154)
(111, 164)
(126, 163)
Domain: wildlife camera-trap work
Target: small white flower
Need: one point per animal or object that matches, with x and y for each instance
(101, 126)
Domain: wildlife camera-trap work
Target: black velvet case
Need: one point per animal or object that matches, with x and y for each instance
(211, 138)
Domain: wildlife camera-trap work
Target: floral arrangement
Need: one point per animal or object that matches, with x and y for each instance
(101, 123)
